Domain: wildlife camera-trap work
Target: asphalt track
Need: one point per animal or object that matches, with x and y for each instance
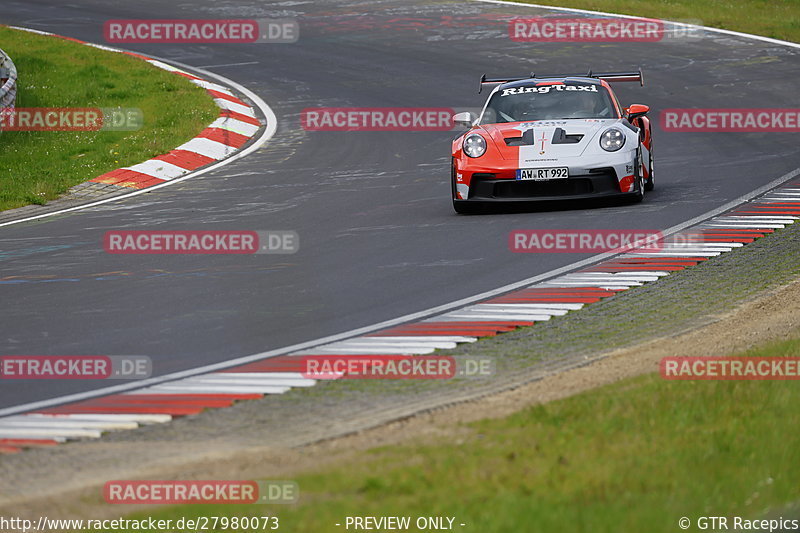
(378, 235)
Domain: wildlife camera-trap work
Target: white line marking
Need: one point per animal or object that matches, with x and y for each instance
(488, 315)
(207, 147)
(544, 307)
(577, 281)
(57, 439)
(103, 47)
(230, 64)
(367, 342)
(205, 388)
(40, 32)
(140, 419)
(679, 249)
(233, 106)
(212, 86)
(511, 309)
(364, 350)
(165, 66)
(771, 201)
(659, 273)
(677, 254)
(589, 283)
(758, 218)
(482, 314)
(743, 225)
(34, 433)
(233, 376)
(345, 347)
(67, 424)
(427, 338)
(611, 278)
(236, 126)
(380, 342)
(276, 375)
(705, 244)
(254, 381)
(158, 169)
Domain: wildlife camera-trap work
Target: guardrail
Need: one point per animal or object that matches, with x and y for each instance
(8, 79)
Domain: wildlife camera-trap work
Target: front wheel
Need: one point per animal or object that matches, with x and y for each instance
(650, 183)
(464, 207)
(639, 185)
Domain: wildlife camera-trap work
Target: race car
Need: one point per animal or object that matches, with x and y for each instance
(552, 138)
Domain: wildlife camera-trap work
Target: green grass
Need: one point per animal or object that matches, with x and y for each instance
(779, 19)
(634, 456)
(38, 166)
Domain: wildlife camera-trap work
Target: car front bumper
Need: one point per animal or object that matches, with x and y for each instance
(610, 176)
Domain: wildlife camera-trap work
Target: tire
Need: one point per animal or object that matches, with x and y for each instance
(640, 185)
(464, 207)
(650, 184)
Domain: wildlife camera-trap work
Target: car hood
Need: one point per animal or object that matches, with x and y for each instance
(545, 140)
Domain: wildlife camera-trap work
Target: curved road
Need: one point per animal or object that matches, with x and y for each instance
(378, 235)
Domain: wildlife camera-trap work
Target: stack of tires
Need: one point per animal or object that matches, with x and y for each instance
(8, 86)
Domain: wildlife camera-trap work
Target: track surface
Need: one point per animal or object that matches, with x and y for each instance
(378, 236)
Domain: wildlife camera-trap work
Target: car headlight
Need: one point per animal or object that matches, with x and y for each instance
(474, 145)
(612, 140)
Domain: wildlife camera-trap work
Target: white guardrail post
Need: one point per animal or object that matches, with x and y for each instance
(8, 84)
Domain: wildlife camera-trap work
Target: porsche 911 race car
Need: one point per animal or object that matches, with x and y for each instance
(552, 138)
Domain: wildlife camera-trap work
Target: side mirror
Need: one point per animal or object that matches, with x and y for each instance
(465, 119)
(637, 110)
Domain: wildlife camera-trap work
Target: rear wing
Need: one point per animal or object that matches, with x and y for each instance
(607, 76)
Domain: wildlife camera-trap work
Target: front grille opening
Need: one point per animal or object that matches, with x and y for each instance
(597, 181)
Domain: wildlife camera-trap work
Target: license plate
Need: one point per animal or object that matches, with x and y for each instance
(542, 174)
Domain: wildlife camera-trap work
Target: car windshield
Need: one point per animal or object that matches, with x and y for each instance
(549, 102)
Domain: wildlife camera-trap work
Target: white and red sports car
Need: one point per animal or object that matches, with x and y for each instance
(552, 138)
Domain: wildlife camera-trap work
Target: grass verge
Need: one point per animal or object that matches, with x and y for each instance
(634, 456)
(779, 19)
(37, 166)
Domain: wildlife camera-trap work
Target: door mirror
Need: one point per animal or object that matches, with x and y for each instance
(637, 110)
(465, 119)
